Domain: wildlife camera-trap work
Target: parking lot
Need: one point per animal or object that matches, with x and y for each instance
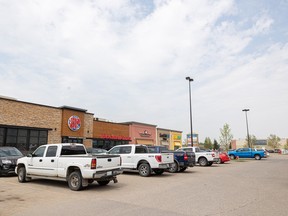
(240, 187)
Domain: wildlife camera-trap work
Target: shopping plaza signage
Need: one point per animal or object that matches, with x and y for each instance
(145, 133)
(74, 123)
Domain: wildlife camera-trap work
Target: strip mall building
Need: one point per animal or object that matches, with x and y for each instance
(27, 125)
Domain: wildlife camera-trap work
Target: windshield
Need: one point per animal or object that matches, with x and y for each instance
(8, 152)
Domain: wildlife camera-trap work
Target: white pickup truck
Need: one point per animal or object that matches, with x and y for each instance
(202, 157)
(68, 162)
(137, 157)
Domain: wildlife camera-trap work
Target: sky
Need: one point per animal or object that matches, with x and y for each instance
(127, 60)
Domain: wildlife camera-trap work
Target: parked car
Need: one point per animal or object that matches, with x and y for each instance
(137, 157)
(69, 162)
(8, 160)
(203, 158)
(246, 153)
(182, 159)
(95, 151)
(266, 153)
(223, 157)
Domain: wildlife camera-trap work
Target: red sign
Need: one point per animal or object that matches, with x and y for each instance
(74, 123)
(114, 137)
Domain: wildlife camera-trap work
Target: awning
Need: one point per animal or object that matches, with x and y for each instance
(144, 141)
(177, 144)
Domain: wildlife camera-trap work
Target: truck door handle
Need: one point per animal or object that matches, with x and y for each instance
(40, 160)
(52, 160)
(109, 160)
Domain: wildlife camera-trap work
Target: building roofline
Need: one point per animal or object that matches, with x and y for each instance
(134, 122)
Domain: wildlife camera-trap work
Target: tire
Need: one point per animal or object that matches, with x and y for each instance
(219, 161)
(103, 183)
(144, 170)
(232, 157)
(182, 169)
(22, 174)
(203, 161)
(257, 157)
(75, 181)
(173, 168)
(158, 171)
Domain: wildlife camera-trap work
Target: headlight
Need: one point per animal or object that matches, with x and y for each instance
(5, 161)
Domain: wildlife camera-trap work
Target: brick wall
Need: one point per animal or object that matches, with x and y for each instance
(18, 113)
(109, 128)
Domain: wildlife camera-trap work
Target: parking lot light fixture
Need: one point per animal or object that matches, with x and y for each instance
(191, 128)
(248, 138)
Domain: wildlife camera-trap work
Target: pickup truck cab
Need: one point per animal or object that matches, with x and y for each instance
(246, 153)
(68, 162)
(137, 157)
(182, 159)
(203, 158)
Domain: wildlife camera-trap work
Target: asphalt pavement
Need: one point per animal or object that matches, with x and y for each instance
(240, 187)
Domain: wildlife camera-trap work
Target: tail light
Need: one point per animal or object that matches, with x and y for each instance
(158, 158)
(93, 163)
(185, 157)
(213, 155)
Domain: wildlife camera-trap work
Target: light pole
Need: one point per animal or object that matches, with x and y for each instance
(248, 139)
(190, 80)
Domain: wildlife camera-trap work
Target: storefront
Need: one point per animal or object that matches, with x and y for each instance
(142, 133)
(28, 125)
(163, 137)
(176, 139)
(108, 134)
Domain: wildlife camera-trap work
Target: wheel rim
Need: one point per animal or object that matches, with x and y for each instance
(21, 175)
(143, 170)
(173, 167)
(74, 181)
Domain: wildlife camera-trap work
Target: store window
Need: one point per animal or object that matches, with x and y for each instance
(107, 144)
(25, 139)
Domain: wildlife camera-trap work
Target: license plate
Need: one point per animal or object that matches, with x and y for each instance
(109, 173)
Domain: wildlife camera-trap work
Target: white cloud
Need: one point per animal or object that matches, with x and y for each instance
(126, 60)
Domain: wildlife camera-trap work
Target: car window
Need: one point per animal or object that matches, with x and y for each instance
(125, 150)
(73, 150)
(115, 150)
(141, 149)
(51, 151)
(152, 149)
(39, 152)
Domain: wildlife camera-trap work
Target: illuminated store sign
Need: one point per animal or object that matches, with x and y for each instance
(74, 123)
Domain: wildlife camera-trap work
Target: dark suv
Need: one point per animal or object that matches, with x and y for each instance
(8, 160)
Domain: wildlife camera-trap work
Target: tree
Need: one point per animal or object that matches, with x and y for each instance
(207, 143)
(215, 144)
(252, 140)
(273, 141)
(286, 145)
(225, 137)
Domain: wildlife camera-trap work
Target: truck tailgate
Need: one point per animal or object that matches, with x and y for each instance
(167, 157)
(105, 162)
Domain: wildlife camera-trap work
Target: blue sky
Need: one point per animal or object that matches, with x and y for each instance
(127, 61)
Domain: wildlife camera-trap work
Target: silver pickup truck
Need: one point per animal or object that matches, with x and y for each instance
(69, 162)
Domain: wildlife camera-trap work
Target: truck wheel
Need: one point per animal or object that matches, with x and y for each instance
(232, 157)
(257, 157)
(75, 181)
(103, 183)
(173, 168)
(203, 161)
(219, 161)
(144, 170)
(158, 171)
(209, 163)
(22, 174)
(182, 169)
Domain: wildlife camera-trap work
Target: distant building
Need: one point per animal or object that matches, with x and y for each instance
(259, 143)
